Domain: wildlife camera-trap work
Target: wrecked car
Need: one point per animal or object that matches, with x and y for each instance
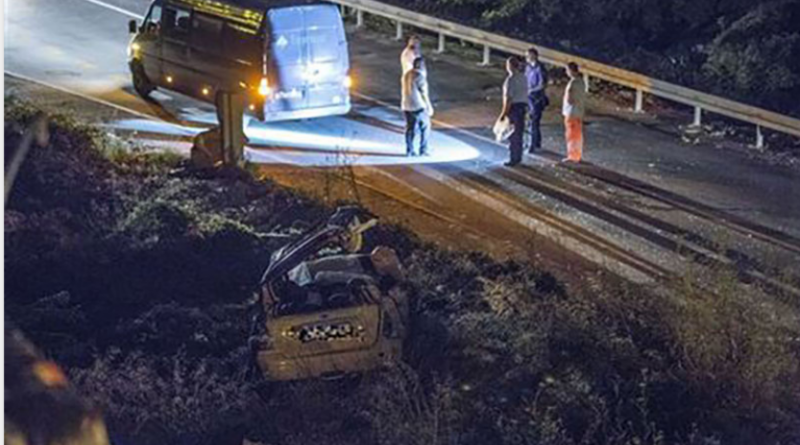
(326, 309)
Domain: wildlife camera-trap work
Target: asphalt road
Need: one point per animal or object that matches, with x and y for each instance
(642, 193)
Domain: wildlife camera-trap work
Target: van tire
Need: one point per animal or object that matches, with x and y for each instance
(141, 83)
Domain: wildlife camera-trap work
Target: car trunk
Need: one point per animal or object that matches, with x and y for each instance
(324, 332)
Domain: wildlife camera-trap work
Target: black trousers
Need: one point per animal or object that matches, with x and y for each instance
(537, 102)
(517, 117)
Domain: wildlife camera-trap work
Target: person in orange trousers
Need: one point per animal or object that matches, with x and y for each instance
(574, 109)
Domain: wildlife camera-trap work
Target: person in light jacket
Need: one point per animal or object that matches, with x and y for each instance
(574, 109)
(417, 107)
(515, 105)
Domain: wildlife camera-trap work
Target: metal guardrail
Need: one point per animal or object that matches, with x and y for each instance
(638, 82)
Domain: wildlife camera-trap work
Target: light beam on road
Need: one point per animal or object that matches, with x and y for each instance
(319, 142)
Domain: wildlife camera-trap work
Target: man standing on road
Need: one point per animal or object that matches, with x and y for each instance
(536, 75)
(412, 50)
(417, 107)
(573, 110)
(515, 104)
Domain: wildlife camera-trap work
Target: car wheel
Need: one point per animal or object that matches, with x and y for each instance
(141, 83)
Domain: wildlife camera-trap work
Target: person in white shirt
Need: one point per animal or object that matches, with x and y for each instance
(515, 106)
(412, 50)
(417, 107)
(574, 109)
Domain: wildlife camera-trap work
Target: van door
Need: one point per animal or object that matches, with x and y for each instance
(308, 57)
(149, 40)
(175, 23)
(287, 57)
(243, 49)
(206, 51)
(327, 58)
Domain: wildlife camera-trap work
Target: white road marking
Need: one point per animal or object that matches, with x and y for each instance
(85, 96)
(116, 8)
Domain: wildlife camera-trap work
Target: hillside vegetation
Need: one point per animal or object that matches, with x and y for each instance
(747, 50)
(134, 272)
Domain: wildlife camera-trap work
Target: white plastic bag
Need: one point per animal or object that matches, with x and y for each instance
(503, 129)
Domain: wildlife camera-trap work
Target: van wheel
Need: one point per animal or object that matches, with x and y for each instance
(141, 83)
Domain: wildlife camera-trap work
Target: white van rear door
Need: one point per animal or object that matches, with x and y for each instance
(308, 55)
(288, 56)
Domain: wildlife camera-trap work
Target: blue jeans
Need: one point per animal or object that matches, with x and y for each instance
(417, 121)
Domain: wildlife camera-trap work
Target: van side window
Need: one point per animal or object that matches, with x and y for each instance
(153, 21)
(176, 23)
(206, 33)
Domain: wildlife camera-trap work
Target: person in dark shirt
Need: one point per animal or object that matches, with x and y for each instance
(536, 75)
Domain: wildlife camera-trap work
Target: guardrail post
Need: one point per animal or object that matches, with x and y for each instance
(698, 117)
(759, 137)
(639, 106)
(440, 49)
(359, 19)
(487, 55)
(586, 81)
(398, 35)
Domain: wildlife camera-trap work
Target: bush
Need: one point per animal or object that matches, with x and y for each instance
(158, 220)
(153, 400)
(758, 56)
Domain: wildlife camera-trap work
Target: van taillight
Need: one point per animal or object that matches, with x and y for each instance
(263, 87)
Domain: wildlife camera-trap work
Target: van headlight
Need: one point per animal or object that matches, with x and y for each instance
(348, 82)
(133, 50)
